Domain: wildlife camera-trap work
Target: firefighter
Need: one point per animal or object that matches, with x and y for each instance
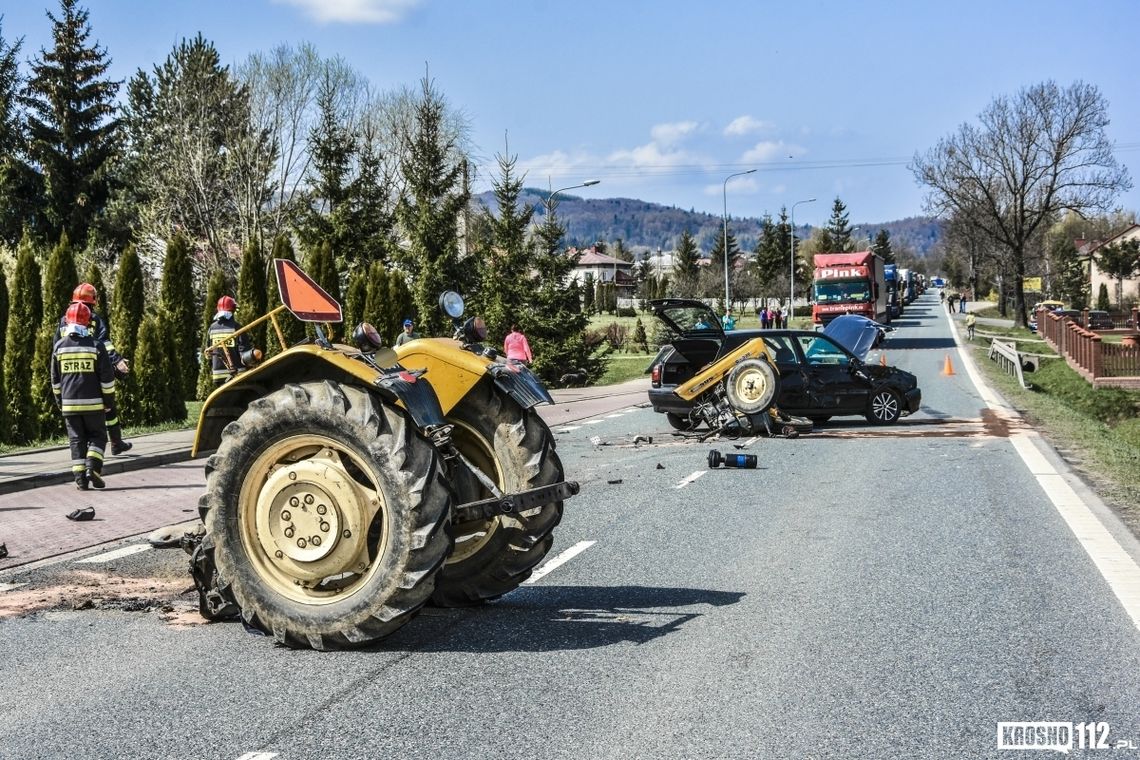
(83, 383)
(228, 355)
(86, 294)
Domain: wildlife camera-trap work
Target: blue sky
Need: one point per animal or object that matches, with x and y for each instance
(662, 100)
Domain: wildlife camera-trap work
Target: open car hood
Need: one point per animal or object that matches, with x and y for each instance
(856, 333)
(688, 317)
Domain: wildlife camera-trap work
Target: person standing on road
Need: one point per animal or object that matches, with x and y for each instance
(227, 354)
(727, 321)
(942, 297)
(86, 294)
(962, 303)
(409, 333)
(516, 346)
(83, 384)
(971, 320)
(951, 302)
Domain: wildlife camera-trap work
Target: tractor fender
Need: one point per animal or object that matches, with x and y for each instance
(306, 363)
(453, 372)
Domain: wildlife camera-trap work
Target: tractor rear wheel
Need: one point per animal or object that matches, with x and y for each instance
(513, 448)
(329, 513)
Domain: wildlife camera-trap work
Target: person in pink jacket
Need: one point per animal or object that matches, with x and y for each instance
(516, 347)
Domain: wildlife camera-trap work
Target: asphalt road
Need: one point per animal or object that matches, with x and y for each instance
(865, 592)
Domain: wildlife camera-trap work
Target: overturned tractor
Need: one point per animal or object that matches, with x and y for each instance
(349, 485)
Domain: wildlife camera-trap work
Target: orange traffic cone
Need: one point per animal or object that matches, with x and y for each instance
(947, 368)
(882, 360)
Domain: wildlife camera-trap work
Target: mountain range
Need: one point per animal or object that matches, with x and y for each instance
(644, 227)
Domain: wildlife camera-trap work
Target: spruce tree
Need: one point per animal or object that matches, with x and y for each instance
(20, 345)
(126, 314)
(432, 167)
(71, 130)
(838, 229)
(292, 329)
(60, 279)
(882, 246)
(215, 289)
(640, 339)
(504, 265)
(555, 330)
(20, 186)
(770, 264)
(171, 398)
(685, 258)
(716, 269)
(176, 302)
(251, 295)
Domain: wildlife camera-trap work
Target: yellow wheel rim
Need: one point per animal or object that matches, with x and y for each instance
(751, 387)
(305, 510)
(479, 451)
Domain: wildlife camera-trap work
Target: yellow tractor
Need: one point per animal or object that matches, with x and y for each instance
(349, 485)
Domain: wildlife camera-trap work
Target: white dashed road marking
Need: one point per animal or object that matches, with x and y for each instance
(567, 429)
(560, 560)
(10, 586)
(126, 551)
(258, 756)
(690, 479)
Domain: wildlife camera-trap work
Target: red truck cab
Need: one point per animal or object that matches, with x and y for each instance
(849, 283)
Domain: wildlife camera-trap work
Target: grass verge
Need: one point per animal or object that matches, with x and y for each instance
(1097, 431)
(624, 367)
(130, 431)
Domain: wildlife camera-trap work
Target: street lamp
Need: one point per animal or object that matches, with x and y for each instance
(724, 193)
(587, 183)
(792, 278)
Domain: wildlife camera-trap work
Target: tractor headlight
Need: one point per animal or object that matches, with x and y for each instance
(451, 303)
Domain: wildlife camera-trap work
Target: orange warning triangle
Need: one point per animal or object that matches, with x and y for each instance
(305, 298)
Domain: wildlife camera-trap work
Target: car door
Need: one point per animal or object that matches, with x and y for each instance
(793, 381)
(832, 380)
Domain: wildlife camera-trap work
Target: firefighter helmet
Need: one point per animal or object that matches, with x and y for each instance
(227, 303)
(78, 314)
(86, 293)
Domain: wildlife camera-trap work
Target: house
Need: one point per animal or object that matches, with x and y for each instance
(604, 268)
(1131, 289)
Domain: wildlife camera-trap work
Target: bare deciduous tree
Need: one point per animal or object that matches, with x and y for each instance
(1031, 157)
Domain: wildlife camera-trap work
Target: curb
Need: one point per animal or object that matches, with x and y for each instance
(27, 482)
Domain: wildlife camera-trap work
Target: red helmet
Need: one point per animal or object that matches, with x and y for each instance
(227, 303)
(78, 313)
(86, 293)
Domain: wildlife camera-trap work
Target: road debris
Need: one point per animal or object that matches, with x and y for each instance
(614, 482)
(82, 515)
(744, 461)
(660, 466)
(3, 551)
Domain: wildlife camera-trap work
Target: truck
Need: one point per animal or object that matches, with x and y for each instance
(894, 299)
(906, 286)
(849, 283)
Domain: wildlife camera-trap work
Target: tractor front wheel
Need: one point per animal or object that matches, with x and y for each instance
(513, 449)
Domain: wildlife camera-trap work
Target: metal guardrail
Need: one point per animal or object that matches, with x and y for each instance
(1013, 361)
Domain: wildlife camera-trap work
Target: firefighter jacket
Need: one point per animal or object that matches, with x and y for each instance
(82, 377)
(99, 330)
(225, 350)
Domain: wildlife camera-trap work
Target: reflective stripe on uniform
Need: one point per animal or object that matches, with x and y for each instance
(70, 407)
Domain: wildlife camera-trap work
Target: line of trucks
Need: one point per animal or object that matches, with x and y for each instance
(860, 282)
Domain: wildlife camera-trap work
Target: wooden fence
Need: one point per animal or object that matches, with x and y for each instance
(1102, 363)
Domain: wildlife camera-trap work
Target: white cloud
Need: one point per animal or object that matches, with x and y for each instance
(771, 150)
(672, 133)
(354, 11)
(736, 185)
(746, 125)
